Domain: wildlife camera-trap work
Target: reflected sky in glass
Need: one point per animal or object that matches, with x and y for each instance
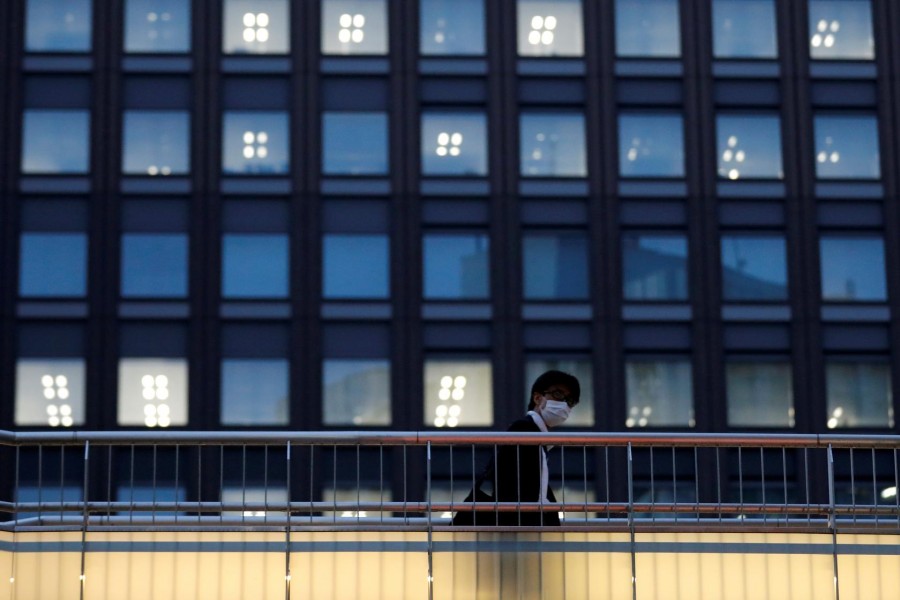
(255, 143)
(550, 28)
(555, 266)
(648, 28)
(841, 30)
(354, 27)
(53, 265)
(255, 265)
(356, 392)
(744, 29)
(355, 266)
(655, 267)
(256, 27)
(56, 141)
(155, 265)
(853, 269)
(552, 145)
(254, 391)
(456, 266)
(454, 143)
(156, 142)
(451, 27)
(651, 145)
(847, 147)
(749, 146)
(58, 26)
(355, 143)
(154, 26)
(754, 267)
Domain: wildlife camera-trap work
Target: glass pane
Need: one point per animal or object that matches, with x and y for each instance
(153, 392)
(255, 392)
(354, 27)
(50, 392)
(355, 143)
(760, 394)
(454, 143)
(749, 146)
(754, 267)
(847, 147)
(155, 265)
(853, 269)
(651, 145)
(356, 392)
(456, 266)
(583, 413)
(255, 266)
(744, 29)
(355, 266)
(859, 395)
(451, 27)
(458, 393)
(655, 267)
(158, 26)
(660, 393)
(256, 27)
(648, 28)
(552, 145)
(255, 143)
(555, 266)
(58, 26)
(550, 28)
(156, 142)
(53, 264)
(841, 29)
(56, 141)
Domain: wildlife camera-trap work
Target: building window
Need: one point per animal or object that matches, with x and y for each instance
(853, 268)
(456, 266)
(255, 265)
(454, 143)
(50, 392)
(355, 143)
(583, 414)
(255, 391)
(255, 143)
(451, 27)
(749, 146)
(458, 393)
(655, 266)
(154, 265)
(648, 28)
(550, 28)
(660, 393)
(859, 394)
(651, 145)
(256, 27)
(744, 29)
(841, 30)
(58, 26)
(847, 147)
(53, 264)
(356, 392)
(760, 394)
(354, 27)
(56, 142)
(551, 144)
(158, 26)
(555, 265)
(153, 392)
(754, 268)
(156, 142)
(355, 266)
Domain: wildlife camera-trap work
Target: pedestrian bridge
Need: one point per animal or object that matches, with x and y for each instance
(345, 515)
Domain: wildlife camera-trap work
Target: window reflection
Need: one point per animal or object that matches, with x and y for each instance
(454, 143)
(354, 27)
(760, 394)
(552, 145)
(859, 394)
(754, 268)
(50, 392)
(841, 29)
(847, 147)
(255, 143)
(458, 393)
(660, 393)
(583, 414)
(158, 26)
(355, 143)
(456, 266)
(256, 27)
(356, 392)
(749, 147)
(555, 265)
(744, 29)
(355, 266)
(53, 264)
(648, 28)
(156, 142)
(152, 392)
(154, 265)
(651, 145)
(255, 391)
(655, 267)
(255, 265)
(550, 28)
(853, 269)
(56, 141)
(451, 27)
(58, 26)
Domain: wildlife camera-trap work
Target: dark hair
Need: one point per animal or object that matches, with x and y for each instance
(549, 379)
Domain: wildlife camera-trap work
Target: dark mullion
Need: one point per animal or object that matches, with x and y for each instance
(888, 15)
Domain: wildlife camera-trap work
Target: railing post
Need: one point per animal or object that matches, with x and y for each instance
(84, 516)
(631, 523)
(287, 529)
(832, 522)
(430, 525)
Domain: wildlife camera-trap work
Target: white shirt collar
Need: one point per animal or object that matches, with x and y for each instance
(538, 421)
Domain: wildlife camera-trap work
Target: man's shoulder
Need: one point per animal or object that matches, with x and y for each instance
(526, 423)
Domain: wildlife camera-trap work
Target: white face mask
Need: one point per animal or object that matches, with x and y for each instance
(555, 413)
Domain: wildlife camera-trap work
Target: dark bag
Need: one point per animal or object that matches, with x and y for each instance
(463, 517)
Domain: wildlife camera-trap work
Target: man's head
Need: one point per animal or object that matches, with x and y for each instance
(555, 385)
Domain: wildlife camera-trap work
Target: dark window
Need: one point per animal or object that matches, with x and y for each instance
(451, 27)
(754, 267)
(655, 267)
(156, 26)
(555, 265)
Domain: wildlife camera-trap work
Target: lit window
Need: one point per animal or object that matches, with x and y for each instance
(847, 147)
(660, 393)
(655, 267)
(859, 394)
(454, 143)
(749, 147)
(252, 495)
(583, 414)
(50, 392)
(255, 143)
(255, 265)
(367, 492)
(356, 392)
(760, 394)
(53, 264)
(154, 265)
(255, 391)
(56, 141)
(552, 145)
(853, 269)
(754, 267)
(648, 28)
(451, 27)
(354, 27)
(158, 26)
(156, 142)
(153, 392)
(651, 145)
(345, 275)
(458, 393)
(456, 266)
(58, 26)
(841, 29)
(555, 265)
(355, 143)
(550, 28)
(256, 27)
(744, 29)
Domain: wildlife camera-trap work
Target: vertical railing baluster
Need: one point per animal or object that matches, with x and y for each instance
(874, 488)
(762, 479)
(287, 528)
(631, 523)
(674, 486)
(177, 447)
(358, 486)
(84, 516)
(430, 523)
(696, 483)
(832, 522)
(853, 485)
(153, 503)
